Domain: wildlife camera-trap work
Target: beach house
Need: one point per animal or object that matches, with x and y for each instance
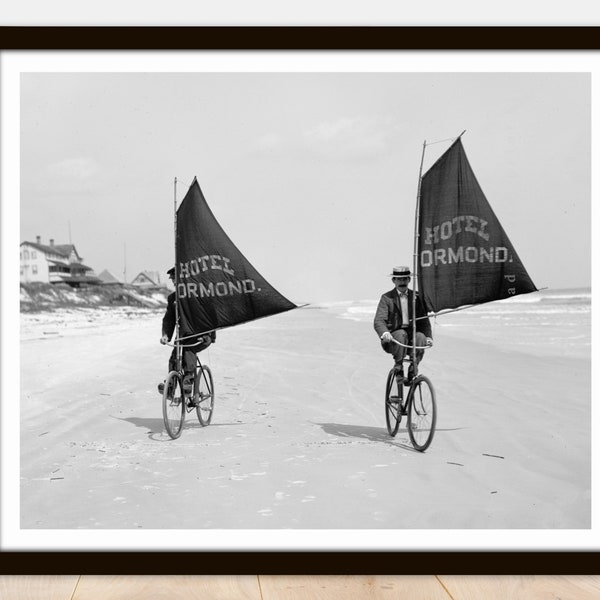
(147, 279)
(54, 263)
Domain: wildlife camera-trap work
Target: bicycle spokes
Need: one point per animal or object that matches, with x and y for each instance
(420, 407)
(393, 403)
(421, 413)
(173, 405)
(204, 395)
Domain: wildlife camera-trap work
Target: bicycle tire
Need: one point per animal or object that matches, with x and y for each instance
(204, 394)
(393, 403)
(422, 413)
(173, 405)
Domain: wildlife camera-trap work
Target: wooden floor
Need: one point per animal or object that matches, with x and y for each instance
(296, 587)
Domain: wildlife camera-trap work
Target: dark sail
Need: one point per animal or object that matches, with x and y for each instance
(216, 285)
(464, 255)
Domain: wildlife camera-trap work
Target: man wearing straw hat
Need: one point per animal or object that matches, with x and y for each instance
(393, 319)
(189, 352)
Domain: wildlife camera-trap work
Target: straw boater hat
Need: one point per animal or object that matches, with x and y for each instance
(400, 272)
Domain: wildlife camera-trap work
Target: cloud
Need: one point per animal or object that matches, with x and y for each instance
(269, 141)
(71, 175)
(350, 138)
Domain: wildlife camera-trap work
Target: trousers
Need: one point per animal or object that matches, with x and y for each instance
(189, 356)
(404, 337)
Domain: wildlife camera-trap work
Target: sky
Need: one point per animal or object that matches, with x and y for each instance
(313, 176)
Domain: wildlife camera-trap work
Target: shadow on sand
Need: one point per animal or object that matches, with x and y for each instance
(155, 426)
(374, 434)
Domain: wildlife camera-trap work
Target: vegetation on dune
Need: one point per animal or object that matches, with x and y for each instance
(39, 297)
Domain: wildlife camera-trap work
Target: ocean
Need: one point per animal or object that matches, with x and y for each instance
(546, 322)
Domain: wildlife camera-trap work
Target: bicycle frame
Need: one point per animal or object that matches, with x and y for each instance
(179, 364)
(179, 348)
(412, 357)
(201, 369)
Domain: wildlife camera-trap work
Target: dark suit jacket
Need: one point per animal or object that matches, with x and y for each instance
(168, 322)
(388, 316)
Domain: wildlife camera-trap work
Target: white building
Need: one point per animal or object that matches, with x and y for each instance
(54, 263)
(147, 279)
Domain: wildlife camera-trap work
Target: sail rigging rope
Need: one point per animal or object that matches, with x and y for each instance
(440, 141)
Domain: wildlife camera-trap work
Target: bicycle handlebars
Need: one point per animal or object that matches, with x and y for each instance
(405, 346)
(393, 340)
(172, 344)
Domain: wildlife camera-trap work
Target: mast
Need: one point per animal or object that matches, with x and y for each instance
(176, 269)
(415, 252)
(416, 249)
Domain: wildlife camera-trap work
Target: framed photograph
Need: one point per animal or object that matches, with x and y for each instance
(266, 189)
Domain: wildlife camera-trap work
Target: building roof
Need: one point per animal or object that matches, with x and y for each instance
(79, 279)
(152, 277)
(62, 249)
(107, 277)
(81, 266)
(66, 249)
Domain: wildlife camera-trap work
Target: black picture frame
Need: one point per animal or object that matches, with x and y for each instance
(301, 39)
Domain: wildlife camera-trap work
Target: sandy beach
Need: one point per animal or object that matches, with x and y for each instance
(298, 438)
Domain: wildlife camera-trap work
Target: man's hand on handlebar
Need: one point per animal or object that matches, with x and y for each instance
(387, 337)
(164, 339)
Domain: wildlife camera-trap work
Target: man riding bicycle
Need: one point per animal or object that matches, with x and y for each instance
(393, 320)
(189, 352)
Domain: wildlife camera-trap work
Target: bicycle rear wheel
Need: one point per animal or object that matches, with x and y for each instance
(422, 413)
(204, 394)
(393, 403)
(173, 405)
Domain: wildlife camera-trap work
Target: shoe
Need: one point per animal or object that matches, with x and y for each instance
(409, 377)
(188, 390)
(161, 389)
(399, 373)
(188, 384)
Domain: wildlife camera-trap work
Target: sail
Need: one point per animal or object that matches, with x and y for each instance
(216, 285)
(464, 254)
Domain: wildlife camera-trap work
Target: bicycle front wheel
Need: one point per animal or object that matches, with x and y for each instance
(173, 405)
(204, 395)
(393, 403)
(422, 413)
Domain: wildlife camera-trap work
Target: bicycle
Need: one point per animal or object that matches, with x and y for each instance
(176, 402)
(418, 404)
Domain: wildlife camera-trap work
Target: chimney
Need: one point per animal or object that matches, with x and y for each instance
(38, 239)
(51, 242)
